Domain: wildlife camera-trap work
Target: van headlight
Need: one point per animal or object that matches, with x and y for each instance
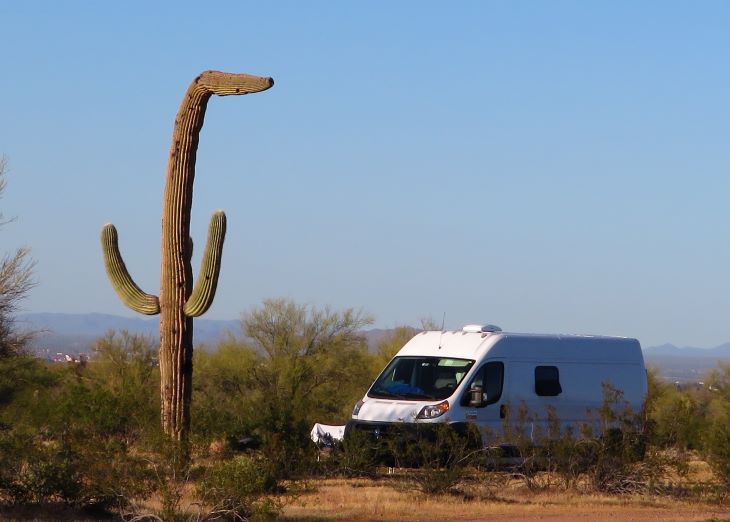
(357, 407)
(431, 412)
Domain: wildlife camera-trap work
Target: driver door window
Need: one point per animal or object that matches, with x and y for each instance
(491, 378)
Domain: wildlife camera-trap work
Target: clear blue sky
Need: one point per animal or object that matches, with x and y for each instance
(545, 166)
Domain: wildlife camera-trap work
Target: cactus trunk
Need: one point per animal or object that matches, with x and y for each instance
(176, 329)
(176, 305)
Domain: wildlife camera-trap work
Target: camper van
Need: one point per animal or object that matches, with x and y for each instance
(478, 375)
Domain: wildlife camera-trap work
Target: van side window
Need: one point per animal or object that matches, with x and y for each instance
(547, 381)
(491, 378)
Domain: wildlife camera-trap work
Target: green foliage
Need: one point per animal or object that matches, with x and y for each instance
(225, 396)
(295, 366)
(717, 436)
(719, 381)
(16, 280)
(441, 454)
(32, 472)
(675, 416)
(88, 434)
(357, 454)
(389, 345)
(718, 441)
(313, 362)
(240, 488)
(70, 431)
(23, 379)
(609, 453)
(124, 366)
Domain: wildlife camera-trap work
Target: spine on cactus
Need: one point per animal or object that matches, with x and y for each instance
(127, 290)
(207, 280)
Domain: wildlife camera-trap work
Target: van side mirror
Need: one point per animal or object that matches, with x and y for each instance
(476, 397)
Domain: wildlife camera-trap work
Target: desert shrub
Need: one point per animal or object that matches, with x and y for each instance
(111, 474)
(623, 464)
(525, 445)
(226, 400)
(70, 431)
(73, 469)
(565, 453)
(717, 440)
(294, 366)
(675, 417)
(357, 454)
(440, 454)
(233, 400)
(32, 472)
(286, 442)
(24, 386)
(240, 489)
(608, 453)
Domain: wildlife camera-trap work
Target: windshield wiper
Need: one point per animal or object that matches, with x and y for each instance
(411, 395)
(402, 395)
(385, 393)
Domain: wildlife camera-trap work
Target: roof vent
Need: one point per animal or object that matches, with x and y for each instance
(478, 328)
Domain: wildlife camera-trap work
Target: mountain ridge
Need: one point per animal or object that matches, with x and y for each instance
(78, 329)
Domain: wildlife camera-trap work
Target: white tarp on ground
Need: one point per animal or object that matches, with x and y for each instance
(324, 435)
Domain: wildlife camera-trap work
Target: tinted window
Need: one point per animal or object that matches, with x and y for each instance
(420, 378)
(547, 381)
(491, 378)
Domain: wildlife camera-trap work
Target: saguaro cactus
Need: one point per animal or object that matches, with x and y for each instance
(179, 302)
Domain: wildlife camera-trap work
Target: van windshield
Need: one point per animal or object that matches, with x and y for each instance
(420, 378)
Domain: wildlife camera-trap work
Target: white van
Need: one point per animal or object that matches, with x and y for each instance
(480, 374)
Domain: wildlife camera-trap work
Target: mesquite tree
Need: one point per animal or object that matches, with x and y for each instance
(179, 301)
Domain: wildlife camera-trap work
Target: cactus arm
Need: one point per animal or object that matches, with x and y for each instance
(128, 291)
(207, 281)
(231, 84)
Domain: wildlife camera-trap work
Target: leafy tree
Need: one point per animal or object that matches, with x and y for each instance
(124, 366)
(313, 363)
(21, 376)
(16, 280)
(389, 345)
(295, 365)
(674, 415)
(718, 439)
(226, 398)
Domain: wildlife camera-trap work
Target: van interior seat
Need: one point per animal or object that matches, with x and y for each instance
(445, 379)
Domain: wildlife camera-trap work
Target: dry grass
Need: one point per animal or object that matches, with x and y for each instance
(391, 498)
(385, 500)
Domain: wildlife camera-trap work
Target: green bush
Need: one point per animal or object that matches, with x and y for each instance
(357, 454)
(33, 472)
(439, 453)
(240, 488)
(718, 440)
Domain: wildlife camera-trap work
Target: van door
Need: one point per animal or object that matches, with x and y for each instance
(487, 417)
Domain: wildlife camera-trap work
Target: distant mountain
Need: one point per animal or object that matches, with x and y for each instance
(686, 364)
(75, 333)
(670, 350)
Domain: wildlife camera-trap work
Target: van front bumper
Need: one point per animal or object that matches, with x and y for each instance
(410, 430)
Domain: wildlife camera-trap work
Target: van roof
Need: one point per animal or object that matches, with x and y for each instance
(524, 346)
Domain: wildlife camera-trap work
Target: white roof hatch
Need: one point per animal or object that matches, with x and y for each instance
(478, 328)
